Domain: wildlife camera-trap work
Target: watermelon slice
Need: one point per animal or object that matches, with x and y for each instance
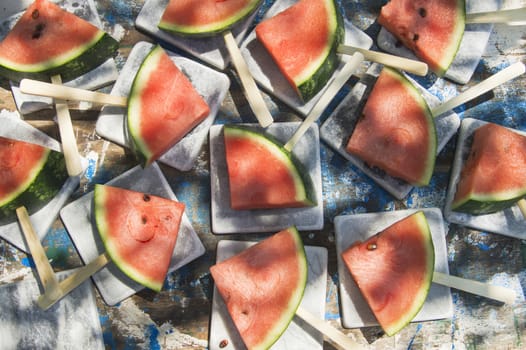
(139, 232)
(396, 131)
(263, 286)
(394, 270)
(205, 17)
(163, 106)
(494, 175)
(30, 175)
(302, 41)
(432, 29)
(262, 174)
(48, 40)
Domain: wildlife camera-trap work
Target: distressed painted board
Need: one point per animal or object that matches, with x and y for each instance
(211, 85)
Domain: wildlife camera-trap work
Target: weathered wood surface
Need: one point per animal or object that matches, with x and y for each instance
(178, 317)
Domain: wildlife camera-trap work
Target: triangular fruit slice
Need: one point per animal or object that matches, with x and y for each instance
(262, 287)
(494, 175)
(48, 40)
(394, 270)
(30, 175)
(163, 106)
(396, 131)
(205, 17)
(139, 232)
(432, 29)
(303, 40)
(262, 174)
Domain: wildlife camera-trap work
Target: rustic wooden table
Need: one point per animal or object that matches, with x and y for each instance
(179, 316)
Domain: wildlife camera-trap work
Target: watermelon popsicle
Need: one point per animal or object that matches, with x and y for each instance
(209, 18)
(360, 233)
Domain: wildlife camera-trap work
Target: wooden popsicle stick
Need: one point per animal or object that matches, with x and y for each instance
(252, 93)
(484, 86)
(347, 70)
(515, 16)
(522, 206)
(49, 298)
(69, 142)
(405, 64)
(40, 88)
(487, 290)
(333, 334)
(44, 269)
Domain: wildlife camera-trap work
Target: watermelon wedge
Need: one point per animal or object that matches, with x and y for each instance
(139, 232)
(163, 106)
(394, 270)
(493, 177)
(302, 41)
(396, 132)
(262, 174)
(30, 175)
(263, 286)
(431, 29)
(205, 17)
(48, 40)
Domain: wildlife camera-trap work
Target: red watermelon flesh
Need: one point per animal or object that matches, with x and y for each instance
(16, 158)
(394, 270)
(261, 173)
(494, 175)
(302, 41)
(432, 29)
(139, 232)
(396, 131)
(204, 16)
(47, 37)
(163, 106)
(263, 286)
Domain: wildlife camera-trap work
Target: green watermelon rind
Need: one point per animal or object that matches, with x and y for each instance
(421, 296)
(46, 180)
(149, 64)
(314, 80)
(213, 28)
(70, 65)
(454, 46)
(297, 296)
(305, 192)
(99, 200)
(479, 204)
(425, 178)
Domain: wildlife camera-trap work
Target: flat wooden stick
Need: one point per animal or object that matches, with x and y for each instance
(405, 64)
(487, 290)
(522, 206)
(334, 335)
(48, 299)
(341, 77)
(515, 16)
(40, 88)
(67, 136)
(484, 86)
(44, 269)
(252, 93)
